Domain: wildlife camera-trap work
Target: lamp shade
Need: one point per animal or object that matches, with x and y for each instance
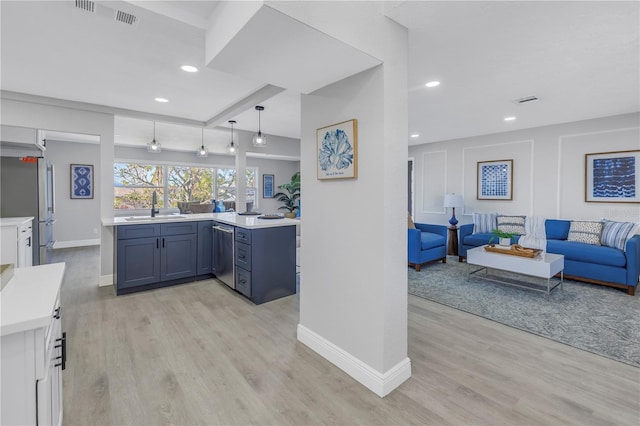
(453, 200)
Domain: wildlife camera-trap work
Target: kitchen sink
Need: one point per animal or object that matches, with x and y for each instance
(157, 217)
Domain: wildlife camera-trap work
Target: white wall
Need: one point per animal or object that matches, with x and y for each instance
(549, 170)
(353, 291)
(77, 220)
(64, 119)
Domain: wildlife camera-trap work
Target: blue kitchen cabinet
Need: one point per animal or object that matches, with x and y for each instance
(265, 262)
(204, 264)
(138, 262)
(155, 255)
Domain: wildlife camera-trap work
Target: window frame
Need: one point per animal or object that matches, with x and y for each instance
(165, 188)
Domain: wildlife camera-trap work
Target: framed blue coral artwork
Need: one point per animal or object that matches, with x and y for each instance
(495, 180)
(81, 181)
(612, 177)
(337, 147)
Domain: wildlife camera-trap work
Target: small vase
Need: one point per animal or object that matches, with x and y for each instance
(290, 215)
(505, 241)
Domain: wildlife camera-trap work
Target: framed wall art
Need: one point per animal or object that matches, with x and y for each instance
(612, 177)
(337, 149)
(267, 186)
(495, 180)
(81, 181)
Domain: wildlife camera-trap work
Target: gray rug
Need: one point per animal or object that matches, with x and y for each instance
(594, 318)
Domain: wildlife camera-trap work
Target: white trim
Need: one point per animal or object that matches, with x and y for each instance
(422, 170)
(105, 280)
(513, 142)
(379, 383)
(76, 243)
(561, 141)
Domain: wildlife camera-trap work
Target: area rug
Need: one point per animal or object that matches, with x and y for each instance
(594, 318)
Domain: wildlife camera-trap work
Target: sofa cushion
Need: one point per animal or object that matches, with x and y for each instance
(511, 224)
(587, 232)
(588, 253)
(616, 234)
(429, 240)
(557, 229)
(484, 222)
(477, 240)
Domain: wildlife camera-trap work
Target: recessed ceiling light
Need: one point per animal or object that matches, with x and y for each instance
(189, 68)
(415, 135)
(510, 118)
(162, 100)
(433, 84)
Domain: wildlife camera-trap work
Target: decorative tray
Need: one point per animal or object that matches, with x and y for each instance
(249, 214)
(270, 216)
(515, 250)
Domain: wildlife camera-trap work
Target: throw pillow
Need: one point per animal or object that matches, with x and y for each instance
(410, 221)
(484, 223)
(585, 232)
(511, 224)
(616, 234)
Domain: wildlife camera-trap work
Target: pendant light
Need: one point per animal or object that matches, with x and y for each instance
(202, 152)
(259, 140)
(153, 146)
(231, 148)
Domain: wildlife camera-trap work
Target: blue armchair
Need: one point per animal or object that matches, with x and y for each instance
(427, 243)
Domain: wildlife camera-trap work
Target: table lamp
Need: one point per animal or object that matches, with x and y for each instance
(453, 201)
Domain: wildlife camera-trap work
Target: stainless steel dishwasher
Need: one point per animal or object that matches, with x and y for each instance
(224, 253)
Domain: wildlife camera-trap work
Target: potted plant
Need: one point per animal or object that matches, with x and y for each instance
(504, 238)
(290, 197)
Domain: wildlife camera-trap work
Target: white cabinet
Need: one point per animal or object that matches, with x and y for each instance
(33, 347)
(16, 235)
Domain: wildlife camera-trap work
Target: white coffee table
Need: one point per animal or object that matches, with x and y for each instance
(545, 265)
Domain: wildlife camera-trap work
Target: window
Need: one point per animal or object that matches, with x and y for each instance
(134, 184)
(226, 184)
(191, 184)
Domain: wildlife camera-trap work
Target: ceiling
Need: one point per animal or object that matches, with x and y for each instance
(581, 59)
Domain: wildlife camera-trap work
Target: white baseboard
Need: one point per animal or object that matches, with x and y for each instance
(379, 383)
(105, 280)
(76, 243)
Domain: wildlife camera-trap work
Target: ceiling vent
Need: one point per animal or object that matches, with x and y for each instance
(126, 18)
(525, 100)
(86, 5)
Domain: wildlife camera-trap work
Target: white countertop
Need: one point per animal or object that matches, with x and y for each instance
(14, 221)
(249, 222)
(28, 300)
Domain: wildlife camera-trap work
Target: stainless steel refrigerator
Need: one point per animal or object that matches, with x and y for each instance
(27, 189)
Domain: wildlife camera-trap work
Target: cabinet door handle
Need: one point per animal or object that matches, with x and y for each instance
(157, 242)
(29, 242)
(163, 243)
(243, 281)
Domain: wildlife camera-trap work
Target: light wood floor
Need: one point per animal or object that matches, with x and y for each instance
(201, 354)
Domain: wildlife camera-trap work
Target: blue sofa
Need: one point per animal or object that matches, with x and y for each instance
(584, 262)
(427, 243)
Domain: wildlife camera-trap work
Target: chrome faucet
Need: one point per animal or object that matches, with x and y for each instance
(154, 201)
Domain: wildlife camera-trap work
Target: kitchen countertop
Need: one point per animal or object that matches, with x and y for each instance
(14, 221)
(249, 222)
(28, 300)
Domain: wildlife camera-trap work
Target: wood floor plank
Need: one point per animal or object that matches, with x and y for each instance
(200, 353)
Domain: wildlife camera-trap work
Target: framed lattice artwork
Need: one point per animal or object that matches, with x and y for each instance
(81, 181)
(267, 186)
(495, 180)
(612, 177)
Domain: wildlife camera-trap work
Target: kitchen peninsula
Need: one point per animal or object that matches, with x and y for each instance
(253, 255)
